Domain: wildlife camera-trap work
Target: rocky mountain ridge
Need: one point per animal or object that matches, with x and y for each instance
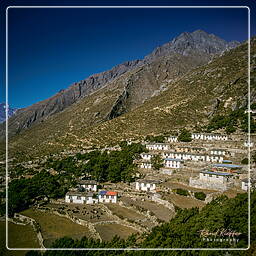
(196, 48)
(188, 99)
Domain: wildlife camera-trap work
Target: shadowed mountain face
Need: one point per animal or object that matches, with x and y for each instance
(148, 78)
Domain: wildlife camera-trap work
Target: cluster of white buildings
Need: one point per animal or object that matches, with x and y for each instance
(209, 136)
(193, 157)
(158, 146)
(87, 194)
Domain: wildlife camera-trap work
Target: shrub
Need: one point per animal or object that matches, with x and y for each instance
(182, 192)
(185, 136)
(200, 195)
(245, 161)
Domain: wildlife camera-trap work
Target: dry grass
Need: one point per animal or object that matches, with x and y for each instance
(183, 201)
(108, 231)
(28, 238)
(53, 226)
(124, 212)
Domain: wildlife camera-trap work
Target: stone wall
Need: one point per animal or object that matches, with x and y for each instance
(197, 183)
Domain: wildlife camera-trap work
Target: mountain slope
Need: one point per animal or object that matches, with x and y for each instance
(182, 54)
(11, 111)
(187, 101)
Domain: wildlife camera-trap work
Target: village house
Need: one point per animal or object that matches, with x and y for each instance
(158, 146)
(218, 151)
(245, 184)
(173, 163)
(146, 185)
(226, 167)
(146, 156)
(193, 157)
(209, 136)
(187, 149)
(212, 180)
(214, 158)
(107, 196)
(88, 185)
(81, 198)
(145, 165)
(172, 139)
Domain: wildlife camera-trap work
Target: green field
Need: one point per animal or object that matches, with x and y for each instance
(19, 237)
(53, 226)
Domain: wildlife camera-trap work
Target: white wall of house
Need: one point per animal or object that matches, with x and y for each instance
(245, 185)
(201, 136)
(89, 187)
(157, 146)
(144, 186)
(214, 178)
(145, 165)
(214, 158)
(172, 163)
(76, 199)
(218, 152)
(146, 156)
(172, 139)
(107, 198)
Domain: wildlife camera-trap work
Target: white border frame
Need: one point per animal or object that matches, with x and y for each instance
(128, 249)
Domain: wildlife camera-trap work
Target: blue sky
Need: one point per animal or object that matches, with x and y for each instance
(49, 49)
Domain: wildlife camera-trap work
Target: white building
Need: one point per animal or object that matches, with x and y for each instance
(81, 198)
(146, 185)
(145, 165)
(157, 146)
(212, 180)
(88, 185)
(245, 184)
(227, 167)
(173, 163)
(172, 139)
(218, 151)
(208, 136)
(214, 158)
(146, 156)
(107, 196)
(193, 157)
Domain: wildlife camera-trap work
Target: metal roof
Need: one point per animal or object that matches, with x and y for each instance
(227, 165)
(217, 173)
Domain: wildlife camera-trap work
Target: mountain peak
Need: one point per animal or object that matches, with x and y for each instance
(196, 42)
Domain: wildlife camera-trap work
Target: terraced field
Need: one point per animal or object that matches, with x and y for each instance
(108, 231)
(159, 211)
(123, 212)
(53, 226)
(183, 201)
(28, 238)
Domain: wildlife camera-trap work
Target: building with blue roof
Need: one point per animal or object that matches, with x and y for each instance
(227, 166)
(212, 180)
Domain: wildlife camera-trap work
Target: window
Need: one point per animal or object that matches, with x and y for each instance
(70, 197)
(78, 197)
